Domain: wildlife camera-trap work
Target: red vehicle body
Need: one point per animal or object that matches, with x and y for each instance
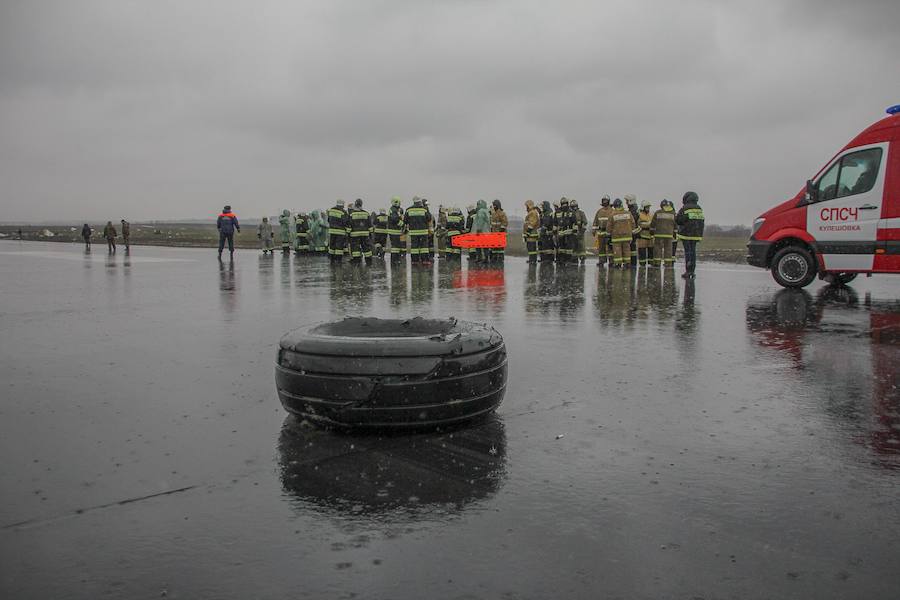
(847, 219)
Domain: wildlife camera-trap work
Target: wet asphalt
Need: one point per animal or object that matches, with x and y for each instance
(658, 439)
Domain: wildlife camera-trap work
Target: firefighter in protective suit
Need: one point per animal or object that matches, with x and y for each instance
(338, 229)
(286, 230)
(620, 227)
(456, 223)
(662, 227)
(360, 230)
(499, 222)
(645, 236)
(690, 223)
(599, 230)
(547, 245)
(395, 230)
(579, 227)
(562, 227)
(632, 206)
(416, 220)
(531, 230)
(301, 226)
(381, 230)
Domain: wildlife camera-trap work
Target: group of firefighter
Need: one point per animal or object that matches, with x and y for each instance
(625, 236)
(360, 235)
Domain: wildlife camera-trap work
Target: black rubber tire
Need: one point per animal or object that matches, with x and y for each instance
(389, 373)
(794, 267)
(839, 278)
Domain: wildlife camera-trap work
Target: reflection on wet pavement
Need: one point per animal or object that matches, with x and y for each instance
(717, 438)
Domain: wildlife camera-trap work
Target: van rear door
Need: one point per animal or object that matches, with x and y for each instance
(845, 215)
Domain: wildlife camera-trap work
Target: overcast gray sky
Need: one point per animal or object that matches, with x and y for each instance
(169, 109)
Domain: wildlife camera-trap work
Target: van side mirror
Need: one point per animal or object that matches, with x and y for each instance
(812, 192)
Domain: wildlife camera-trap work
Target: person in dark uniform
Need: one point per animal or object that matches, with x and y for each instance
(227, 224)
(690, 223)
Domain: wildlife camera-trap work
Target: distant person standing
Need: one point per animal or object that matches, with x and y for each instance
(109, 232)
(126, 234)
(227, 224)
(86, 233)
(19, 233)
(266, 235)
(690, 230)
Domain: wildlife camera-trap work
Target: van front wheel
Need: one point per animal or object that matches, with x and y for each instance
(793, 267)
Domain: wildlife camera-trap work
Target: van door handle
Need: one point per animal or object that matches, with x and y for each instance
(867, 207)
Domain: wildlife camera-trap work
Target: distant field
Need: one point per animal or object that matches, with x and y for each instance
(721, 248)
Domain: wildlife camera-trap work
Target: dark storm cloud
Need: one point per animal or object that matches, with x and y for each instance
(168, 109)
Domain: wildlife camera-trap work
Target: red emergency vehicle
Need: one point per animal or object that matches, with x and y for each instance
(846, 221)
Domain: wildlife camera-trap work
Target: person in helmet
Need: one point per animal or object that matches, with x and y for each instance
(301, 229)
(416, 220)
(548, 224)
(456, 223)
(620, 228)
(380, 229)
(286, 230)
(645, 237)
(481, 223)
(579, 227)
(599, 230)
(632, 206)
(662, 228)
(499, 223)
(429, 219)
(470, 223)
(395, 230)
(531, 230)
(266, 236)
(562, 226)
(338, 230)
(671, 208)
(360, 230)
(690, 223)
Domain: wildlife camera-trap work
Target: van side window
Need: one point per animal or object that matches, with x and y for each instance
(854, 174)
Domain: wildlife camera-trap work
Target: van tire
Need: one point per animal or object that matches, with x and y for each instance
(839, 279)
(793, 267)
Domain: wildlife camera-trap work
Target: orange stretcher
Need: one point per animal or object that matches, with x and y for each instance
(496, 239)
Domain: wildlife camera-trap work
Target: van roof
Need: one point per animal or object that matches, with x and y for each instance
(879, 131)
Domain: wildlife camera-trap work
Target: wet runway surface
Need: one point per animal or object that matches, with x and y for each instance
(726, 439)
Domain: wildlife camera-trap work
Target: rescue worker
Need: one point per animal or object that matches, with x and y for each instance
(562, 228)
(360, 230)
(416, 220)
(670, 207)
(470, 223)
(440, 231)
(338, 230)
(301, 229)
(318, 233)
(429, 219)
(499, 223)
(455, 226)
(690, 223)
(227, 224)
(126, 234)
(620, 228)
(86, 233)
(599, 230)
(109, 232)
(285, 230)
(531, 230)
(662, 227)
(395, 230)
(266, 236)
(579, 227)
(481, 223)
(645, 236)
(631, 204)
(547, 246)
(380, 230)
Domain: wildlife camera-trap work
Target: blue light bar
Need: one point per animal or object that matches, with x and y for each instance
(893, 110)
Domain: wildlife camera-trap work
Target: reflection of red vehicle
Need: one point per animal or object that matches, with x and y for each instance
(479, 278)
(847, 350)
(846, 221)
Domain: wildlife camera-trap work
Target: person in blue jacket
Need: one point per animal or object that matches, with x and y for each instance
(227, 224)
